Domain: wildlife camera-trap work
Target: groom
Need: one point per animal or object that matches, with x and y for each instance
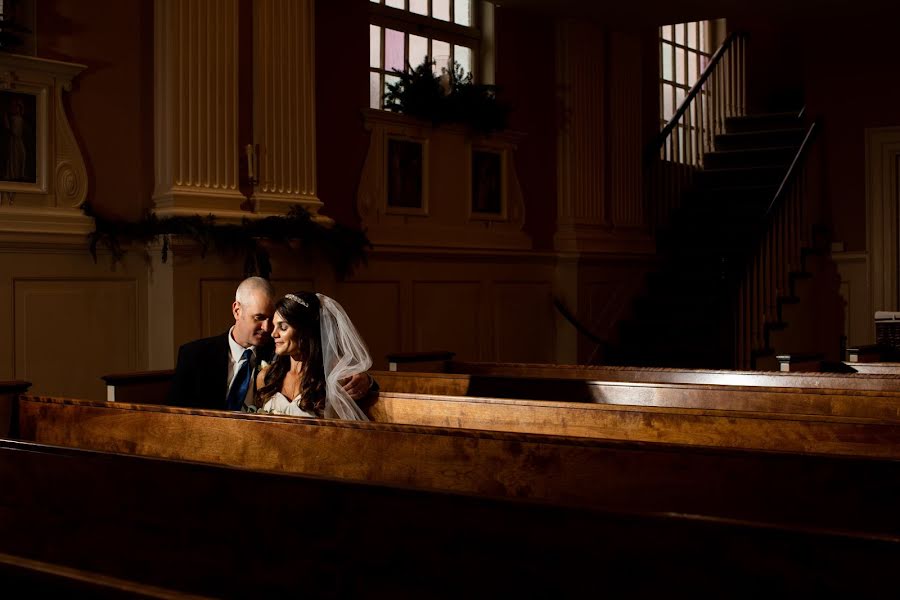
(219, 372)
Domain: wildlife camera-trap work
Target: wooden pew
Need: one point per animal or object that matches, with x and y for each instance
(9, 392)
(43, 579)
(881, 405)
(224, 532)
(814, 492)
(147, 387)
(806, 380)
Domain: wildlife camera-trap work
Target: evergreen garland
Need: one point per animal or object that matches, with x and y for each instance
(419, 92)
(343, 247)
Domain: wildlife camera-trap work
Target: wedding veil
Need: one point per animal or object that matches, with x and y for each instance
(344, 354)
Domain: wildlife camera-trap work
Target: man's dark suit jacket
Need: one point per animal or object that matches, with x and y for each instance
(201, 371)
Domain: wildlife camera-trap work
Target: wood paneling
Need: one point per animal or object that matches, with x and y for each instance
(374, 307)
(523, 321)
(447, 315)
(70, 332)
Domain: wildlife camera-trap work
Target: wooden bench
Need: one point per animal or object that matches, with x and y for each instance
(218, 531)
(9, 391)
(882, 405)
(847, 381)
(814, 491)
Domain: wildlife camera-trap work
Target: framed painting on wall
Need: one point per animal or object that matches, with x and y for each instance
(487, 184)
(405, 178)
(18, 137)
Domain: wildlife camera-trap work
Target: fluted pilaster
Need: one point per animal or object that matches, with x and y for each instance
(196, 108)
(625, 164)
(580, 159)
(284, 104)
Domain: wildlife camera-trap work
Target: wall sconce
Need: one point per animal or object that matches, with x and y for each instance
(252, 153)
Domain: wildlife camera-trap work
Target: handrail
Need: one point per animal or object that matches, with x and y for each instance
(789, 175)
(695, 89)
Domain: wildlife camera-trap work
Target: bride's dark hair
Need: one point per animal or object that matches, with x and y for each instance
(301, 311)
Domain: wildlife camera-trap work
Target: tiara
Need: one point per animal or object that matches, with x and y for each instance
(297, 299)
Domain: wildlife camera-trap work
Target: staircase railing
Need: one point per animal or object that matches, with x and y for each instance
(787, 232)
(678, 151)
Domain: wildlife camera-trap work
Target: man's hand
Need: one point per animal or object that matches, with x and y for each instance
(358, 385)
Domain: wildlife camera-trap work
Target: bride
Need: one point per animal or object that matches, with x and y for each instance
(316, 349)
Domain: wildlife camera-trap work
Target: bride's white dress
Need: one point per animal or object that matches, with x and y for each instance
(280, 405)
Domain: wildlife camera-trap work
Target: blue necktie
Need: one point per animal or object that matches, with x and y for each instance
(241, 383)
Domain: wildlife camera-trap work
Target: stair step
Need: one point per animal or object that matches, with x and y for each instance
(718, 178)
(763, 122)
(780, 156)
(766, 138)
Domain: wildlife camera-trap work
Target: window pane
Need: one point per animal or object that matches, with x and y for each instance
(395, 4)
(667, 32)
(418, 49)
(375, 46)
(667, 62)
(679, 33)
(704, 27)
(462, 12)
(375, 1)
(693, 75)
(440, 52)
(420, 7)
(692, 35)
(389, 79)
(667, 107)
(679, 97)
(463, 56)
(393, 50)
(374, 90)
(440, 9)
(679, 65)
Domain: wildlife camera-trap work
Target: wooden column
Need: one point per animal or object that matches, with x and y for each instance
(284, 104)
(196, 108)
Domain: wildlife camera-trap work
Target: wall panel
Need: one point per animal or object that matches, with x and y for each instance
(69, 332)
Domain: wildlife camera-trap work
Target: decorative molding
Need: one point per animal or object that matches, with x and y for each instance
(882, 172)
(284, 104)
(195, 108)
(448, 221)
(50, 203)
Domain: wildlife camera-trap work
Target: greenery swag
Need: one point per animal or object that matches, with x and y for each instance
(451, 97)
(343, 247)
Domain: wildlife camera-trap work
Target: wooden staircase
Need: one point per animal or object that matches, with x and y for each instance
(689, 315)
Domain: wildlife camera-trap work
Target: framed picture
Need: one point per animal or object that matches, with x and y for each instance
(405, 178)
(487, 184)
(18, 137)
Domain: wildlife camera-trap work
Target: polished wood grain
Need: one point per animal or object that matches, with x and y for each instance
(228, 532)
(811, 491)
(882, 405)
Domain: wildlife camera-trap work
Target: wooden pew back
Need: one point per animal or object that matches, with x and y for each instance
(881, 405)
(227, 532)
(813, 491)
(846, 381)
